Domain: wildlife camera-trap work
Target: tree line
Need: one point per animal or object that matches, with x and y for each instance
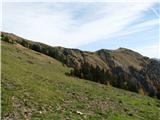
(90, 72)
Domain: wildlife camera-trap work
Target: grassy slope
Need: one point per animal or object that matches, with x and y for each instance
(35, 87)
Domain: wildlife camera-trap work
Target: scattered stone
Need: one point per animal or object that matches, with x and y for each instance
(80, 113)
(40, 112)
(58, 108)
(125, 109)
(67, 118)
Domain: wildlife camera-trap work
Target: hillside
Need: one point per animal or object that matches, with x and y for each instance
(36, 87)
(122, 68)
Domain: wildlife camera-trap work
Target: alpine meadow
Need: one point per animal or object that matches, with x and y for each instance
(80, 60)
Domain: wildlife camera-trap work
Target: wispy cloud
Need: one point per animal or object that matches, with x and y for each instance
(75, 24)
(140, 27)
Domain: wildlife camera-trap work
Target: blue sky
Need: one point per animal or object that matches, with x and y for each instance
(87, 25)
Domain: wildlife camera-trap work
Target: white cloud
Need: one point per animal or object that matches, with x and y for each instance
(110, 26)
(56, 24)
(49, 25)
(35, 21)
(140, 27)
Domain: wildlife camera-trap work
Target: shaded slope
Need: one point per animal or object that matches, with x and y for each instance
(133, 71)
(34, 86)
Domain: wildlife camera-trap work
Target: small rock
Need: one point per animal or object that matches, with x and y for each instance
(59, 108)
(80, 113)
(67, 118)
(40, 112)
(125, 109)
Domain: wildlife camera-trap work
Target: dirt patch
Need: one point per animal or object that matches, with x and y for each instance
(20, 110)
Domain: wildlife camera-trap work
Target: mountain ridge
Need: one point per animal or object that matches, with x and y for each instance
(16, 37)
(122, 68)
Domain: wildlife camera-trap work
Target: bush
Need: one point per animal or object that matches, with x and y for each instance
(5, 38)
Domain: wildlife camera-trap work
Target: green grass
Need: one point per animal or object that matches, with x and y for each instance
(34, 86)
